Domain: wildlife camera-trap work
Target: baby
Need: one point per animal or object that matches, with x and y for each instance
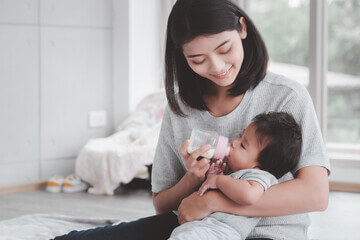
(266, 150)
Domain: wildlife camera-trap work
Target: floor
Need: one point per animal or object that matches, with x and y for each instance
(127, 204)
(340, 221)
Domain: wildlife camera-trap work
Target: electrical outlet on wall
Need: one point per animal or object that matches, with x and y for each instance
(97, 119)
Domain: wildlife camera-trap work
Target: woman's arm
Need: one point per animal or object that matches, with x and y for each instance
(171, 198)
(238, 190)
(309, 191)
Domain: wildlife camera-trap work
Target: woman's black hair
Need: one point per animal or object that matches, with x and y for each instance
(283, 142)
(191, 18)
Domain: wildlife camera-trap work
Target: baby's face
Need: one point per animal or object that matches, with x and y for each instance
(244, 151)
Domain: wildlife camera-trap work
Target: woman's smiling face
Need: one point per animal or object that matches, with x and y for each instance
(217, 57)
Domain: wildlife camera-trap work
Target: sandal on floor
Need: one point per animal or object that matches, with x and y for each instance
(73, 183)
(54, 184)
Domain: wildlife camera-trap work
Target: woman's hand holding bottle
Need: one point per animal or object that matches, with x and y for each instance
(196, 168)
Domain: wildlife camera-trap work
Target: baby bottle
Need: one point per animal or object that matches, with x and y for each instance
(220, 146)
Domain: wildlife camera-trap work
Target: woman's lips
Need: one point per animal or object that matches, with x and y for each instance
(224, 75)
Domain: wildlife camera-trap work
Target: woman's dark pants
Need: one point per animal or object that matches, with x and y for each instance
(154, 227)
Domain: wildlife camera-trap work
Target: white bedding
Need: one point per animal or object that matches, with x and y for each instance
(104, 163)
(47, 226)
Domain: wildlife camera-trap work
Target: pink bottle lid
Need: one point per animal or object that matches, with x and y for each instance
(221, 149)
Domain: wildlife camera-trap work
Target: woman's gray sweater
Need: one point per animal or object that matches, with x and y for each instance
(274, 93)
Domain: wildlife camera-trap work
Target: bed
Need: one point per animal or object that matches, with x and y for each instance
(105, 163)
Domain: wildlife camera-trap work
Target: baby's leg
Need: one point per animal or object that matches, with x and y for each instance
(207, 229)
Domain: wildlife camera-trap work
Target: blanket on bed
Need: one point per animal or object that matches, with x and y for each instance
(104, 163)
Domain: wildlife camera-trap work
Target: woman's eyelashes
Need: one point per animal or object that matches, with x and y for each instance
(226, 52)
(201, 62)
(197, 63)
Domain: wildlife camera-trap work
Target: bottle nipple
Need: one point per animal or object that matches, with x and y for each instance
(227, 153)
(222, 148)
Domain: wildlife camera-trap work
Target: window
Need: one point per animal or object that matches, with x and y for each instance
(343, 77)
(284, 25)
(316, 42)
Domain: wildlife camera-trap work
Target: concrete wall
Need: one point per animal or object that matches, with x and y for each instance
(55, 68)
(60, 61)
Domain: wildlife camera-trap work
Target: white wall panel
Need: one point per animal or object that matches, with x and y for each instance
(19, 173)
(19, 11)
(19, 94)
(93, 13)
(145, 61)
(76, 78)
(121, 53)
(344, 171)
(345, 174)
(55, 67)
(62, 167)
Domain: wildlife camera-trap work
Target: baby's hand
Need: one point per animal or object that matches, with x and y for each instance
(210, 183)
(216, 168)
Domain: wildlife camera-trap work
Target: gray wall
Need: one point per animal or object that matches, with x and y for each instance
(55, 67)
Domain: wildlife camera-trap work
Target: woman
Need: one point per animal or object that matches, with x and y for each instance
(217, 61)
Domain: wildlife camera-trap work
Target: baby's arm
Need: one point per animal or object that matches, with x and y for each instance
(241, 191)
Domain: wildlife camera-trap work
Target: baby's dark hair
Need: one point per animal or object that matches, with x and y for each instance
(282, 136)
